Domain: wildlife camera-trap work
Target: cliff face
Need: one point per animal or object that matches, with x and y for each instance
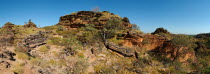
(149, 42)
(79, 19)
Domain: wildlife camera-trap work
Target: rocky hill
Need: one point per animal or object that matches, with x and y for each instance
(79, 19)
(88, 42)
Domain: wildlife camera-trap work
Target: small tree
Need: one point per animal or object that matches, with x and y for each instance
(181, 41)
(134, 26)
(110, 28)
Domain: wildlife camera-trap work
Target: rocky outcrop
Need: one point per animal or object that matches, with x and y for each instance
(8, 25)
(161, 31)
(29, 24)
(122, 51)
(35, 40)
(69, 51)
(149, 42)
(8, 55)
(5, 58)
(6, 39)
(79, 19)
(125, 19)
(159, 45)
(181, 54)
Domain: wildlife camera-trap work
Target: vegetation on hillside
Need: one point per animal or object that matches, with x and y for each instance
(100, 48)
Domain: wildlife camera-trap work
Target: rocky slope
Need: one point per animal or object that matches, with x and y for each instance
(74, 46)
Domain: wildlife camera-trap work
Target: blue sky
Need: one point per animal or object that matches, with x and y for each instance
(178, 16)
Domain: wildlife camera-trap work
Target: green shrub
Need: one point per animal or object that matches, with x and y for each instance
(56, 54)
(50, 28)
(22, 56)
(18, 68)
(80, 67)
(88, 35)
(44, 49)
(80, 55)
(61, 62)
(180, 41)
(35, 61)
(115, 40)
(49, 42)
(71, 42)
(146, 41)
(206, 71)
(103, 69)
(52, 62)
(125, 71)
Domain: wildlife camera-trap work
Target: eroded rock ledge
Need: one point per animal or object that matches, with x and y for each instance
(35, 40)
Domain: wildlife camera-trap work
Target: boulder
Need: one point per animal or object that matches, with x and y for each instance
(126, 52)
(125, 19)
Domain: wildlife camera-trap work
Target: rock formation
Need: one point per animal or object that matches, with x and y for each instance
(6, 39)
(122, 51)
(77, 20)
(158, 44)
(143, 40)
(5, 58)
(161, 31)
(29, 24)
(8, 25)
(35, 40)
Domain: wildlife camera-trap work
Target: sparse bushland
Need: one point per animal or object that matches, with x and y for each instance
(67, 42)
(84, 49)
(181, 41)
(22, 55)
(35, 61)
(18, 68)
(206, 71)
